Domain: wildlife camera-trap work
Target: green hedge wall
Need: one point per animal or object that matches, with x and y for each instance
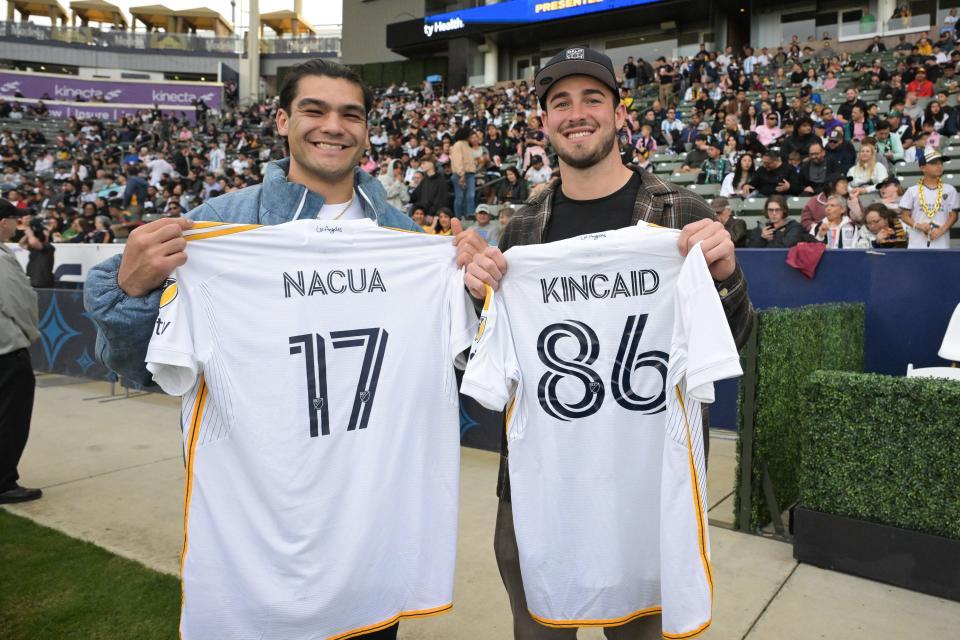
(792, 344)
(883, 449)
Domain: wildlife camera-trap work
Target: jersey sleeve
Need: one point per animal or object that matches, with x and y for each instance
(171, 355)
(463, 320)
(702, 339)
(492, 373)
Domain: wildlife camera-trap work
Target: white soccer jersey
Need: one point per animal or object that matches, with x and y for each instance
(322, 483)
(604, 346)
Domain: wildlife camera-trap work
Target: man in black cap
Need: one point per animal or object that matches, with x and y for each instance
(595, 192)
(18, 329)
(840, 153)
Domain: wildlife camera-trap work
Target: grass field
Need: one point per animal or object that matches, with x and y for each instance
(54, 587)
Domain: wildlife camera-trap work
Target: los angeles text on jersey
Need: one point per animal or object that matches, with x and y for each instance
(309, 283)
(641, 282)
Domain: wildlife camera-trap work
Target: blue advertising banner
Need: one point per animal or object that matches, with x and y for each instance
(516, 12)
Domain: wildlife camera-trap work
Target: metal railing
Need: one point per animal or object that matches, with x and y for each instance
(141, 40)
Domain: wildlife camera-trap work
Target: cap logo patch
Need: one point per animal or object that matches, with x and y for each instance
(574, 54)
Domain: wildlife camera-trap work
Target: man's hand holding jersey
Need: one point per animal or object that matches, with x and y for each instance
(152, 252)
(468, 243)
(489, 266)
(717, 246)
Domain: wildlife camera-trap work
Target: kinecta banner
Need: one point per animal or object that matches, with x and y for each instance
(508, 12)
(145, 92)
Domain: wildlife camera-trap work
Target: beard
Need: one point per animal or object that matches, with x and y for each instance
(602, 150)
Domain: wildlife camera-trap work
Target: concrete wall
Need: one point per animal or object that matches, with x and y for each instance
(365, 28)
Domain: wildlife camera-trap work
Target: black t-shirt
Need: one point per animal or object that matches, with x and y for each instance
(40, 267)
(570, 218)
(666, 74)
(629, 70)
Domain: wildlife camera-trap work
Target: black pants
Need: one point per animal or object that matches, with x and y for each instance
(16, 405)
(390, 633)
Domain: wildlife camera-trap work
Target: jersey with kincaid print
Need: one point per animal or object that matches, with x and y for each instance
(603, 347)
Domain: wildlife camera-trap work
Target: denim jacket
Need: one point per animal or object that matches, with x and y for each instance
(125, 324)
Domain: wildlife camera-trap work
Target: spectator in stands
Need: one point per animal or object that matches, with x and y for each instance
(814, 171)
(780, 231)
(394, 185)
(671, 127)
(489, 231)
(889, 146)
(715, 168)
(876, 46)
(734, 183)
(801, 139)
(773, 178)
(935, 114)
(693, 161)
(885, 227)
(735, 227)
(920, 85)
(889, 191)
(815, 208)
(929, 208)
(538, 174)
(769, 132)
(464, 167)
(665, 76)
(845, 111)
(432, 193)
(840, 153)
(102, 234)
(867, 172)
(444, 224)
(858, 127)
(630, 74)
(512, 188)
(835, 229)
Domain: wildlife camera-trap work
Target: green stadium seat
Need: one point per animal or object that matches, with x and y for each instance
(685, 179)
(706, 190)
(753, 206)
(903, 169)
(952, 179)
(951, 166)
(797, 203)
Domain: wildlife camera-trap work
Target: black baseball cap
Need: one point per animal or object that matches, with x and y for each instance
(575, 61)
(7, 210)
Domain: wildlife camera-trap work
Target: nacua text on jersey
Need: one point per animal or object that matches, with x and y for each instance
(309, 283)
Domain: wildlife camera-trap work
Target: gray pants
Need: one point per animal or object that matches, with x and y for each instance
(525, 627)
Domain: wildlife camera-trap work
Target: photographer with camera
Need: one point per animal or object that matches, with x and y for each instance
(37, 242)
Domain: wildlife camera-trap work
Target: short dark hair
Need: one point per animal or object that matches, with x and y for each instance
(320, 67)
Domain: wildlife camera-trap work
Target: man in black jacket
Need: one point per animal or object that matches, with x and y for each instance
(773, 178)
(431, 194)
(841, 155)
(801, 139)
(815, 170)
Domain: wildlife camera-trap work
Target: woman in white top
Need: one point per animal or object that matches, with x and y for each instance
(393, 184)
(836, 230)
(867, 172)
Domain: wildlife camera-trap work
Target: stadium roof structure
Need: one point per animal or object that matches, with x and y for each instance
(203, 19)
(155, 16)
(287, 21)
(97, 11)
(47, 8)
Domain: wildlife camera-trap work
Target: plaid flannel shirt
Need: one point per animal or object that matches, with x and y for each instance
(658, 202)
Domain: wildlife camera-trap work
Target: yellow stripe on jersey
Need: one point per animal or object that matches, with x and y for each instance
(196, 417)
(220, 232)
(506, 421)
(615, 622)
(697, 501)
(487, 297)
(688, 634)
(425, 613)
(204, 224)
(483, 325)
(401, 230)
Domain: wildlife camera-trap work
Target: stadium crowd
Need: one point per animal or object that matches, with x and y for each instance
(833, 138)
